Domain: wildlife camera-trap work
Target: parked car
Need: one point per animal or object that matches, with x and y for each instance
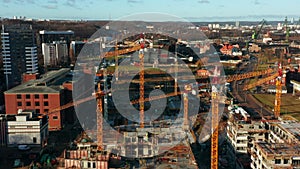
(23, 147)
(17, 163)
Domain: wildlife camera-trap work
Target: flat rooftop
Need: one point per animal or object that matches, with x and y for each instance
(49, 83)
(279, 149)
(292, 127)
(68, 32)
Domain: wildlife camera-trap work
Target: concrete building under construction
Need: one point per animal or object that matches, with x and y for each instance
(281, 149)
(170, 149)
(275, 155)
(268, 143)
(242, 131)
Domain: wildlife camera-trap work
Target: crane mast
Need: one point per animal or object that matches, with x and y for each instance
(142, 88)
(215, 118)
(215, 130)
(187, 89)
(278, 92)
(99, 119)
(277, 98)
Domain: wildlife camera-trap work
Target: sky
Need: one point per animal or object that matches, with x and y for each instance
(192, 10)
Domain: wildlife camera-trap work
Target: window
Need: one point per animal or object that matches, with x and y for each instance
(94, 165)
(133, 139)
(19, 96)
(46, 104)
(46, 110)
(37, 103)
(19, 103)
(295, 162)
(45, 96)
(89, 164)
(34, 139)
(55, 117)
(28, 104)
(38, 111)
(27, 96)
(286, 161)
(277, 161)
(29, 127)
(36, 96)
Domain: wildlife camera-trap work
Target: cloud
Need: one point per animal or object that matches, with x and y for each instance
(71, 3)
(256, 2)
(19, 1)
(52, 1)
(203, 2)
(50, 6)
(134, 1)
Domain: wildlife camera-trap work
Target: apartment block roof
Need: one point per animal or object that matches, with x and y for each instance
(49, 83)
(278, 149)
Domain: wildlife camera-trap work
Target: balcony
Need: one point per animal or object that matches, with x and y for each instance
(253, 165)
(6, 40)
(6, 58)
(242, 145)
(242, 138)
(265, 163)
(242, 132)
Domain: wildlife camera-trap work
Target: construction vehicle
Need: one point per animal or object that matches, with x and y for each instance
(287, 30)
(255, 34)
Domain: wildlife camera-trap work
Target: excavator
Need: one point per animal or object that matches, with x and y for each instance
(255, 34)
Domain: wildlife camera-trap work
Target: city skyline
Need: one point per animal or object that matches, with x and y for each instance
(194, 10)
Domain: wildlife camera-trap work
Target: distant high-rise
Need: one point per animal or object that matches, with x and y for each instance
(75, 49)
(55, 54)
(31, 60)
(58, 44)
(18, 52)
(237, 24)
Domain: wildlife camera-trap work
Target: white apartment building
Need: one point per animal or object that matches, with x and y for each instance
(242, 132)
(31, 60)
(26, 128)
(275, 156)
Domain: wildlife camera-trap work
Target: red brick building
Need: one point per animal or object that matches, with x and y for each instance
(40, 95)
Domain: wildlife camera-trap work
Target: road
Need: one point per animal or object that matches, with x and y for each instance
(245, 98)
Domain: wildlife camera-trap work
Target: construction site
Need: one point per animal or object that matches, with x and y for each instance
(167, 140)
(155, 101)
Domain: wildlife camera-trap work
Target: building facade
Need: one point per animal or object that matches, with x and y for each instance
(86, 156)
(31, 60)
(55, 47)
(18, 52)
(27, 128)
(3, 131)
(55, 54)
(275, 156)
(242, 132)
(41, 95)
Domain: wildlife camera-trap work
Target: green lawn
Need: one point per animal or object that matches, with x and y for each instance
(262, 67)
(289, 104)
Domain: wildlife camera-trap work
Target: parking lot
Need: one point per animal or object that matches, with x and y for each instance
(9, 154)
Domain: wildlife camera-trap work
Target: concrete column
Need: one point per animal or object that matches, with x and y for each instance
(294, 91)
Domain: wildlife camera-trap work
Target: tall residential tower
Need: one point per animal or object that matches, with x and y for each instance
(19, 52)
